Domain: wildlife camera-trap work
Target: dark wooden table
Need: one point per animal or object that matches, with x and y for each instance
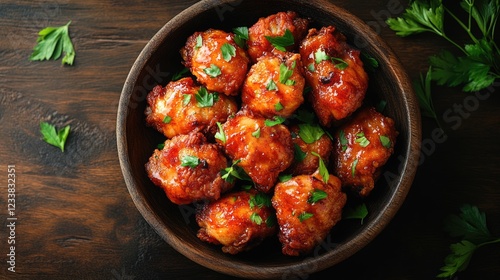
(75, 218)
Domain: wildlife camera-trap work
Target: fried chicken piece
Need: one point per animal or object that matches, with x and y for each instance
(306, 209)
(335, 73)
(175, 109)
(239, 221)
(188, 169)
(216, 60)
(309, 139)
(274, 85)
(261, 150)
(361, 147)
(275, 26)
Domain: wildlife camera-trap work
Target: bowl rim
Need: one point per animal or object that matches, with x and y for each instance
(318, 263)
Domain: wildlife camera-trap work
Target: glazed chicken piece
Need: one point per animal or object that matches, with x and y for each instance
(306, 209)
(188, 169)
(260, 148)
(335, 73)
(275, 26)
(361, 147)
(239, 221)
(274, 85)
(182, 107)
(216, 60)
(309, 139)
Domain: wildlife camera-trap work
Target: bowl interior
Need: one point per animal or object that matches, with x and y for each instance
(160, 59)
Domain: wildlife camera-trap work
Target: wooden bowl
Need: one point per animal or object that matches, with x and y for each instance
(136, 142)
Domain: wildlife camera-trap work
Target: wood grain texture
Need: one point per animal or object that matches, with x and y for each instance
(76, 219)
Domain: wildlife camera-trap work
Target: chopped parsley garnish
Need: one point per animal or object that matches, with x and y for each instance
(205, 99)
(311, 67)
(220, 134)
(199, 42)
(271, 221)
(234, 172)
(323, 170)
(190, 161)
(298, 154)
(316, 195)
(241, 36)
(213, 71)
(362, 140)
(186, 98)
(304, 216)
(278, 107)
(52, 42)
(54, 137)
(343, 140)
(286, 73)
(320, 55)
(228, 51)
(167, 119)
(358, 212)
(385, 141)
(271, 85)
(339, 63)
(255, 218)
(281, 42)
(310, 133)
(160, 146)
(285, 177)
(260, 200)
(353, 167)
(275, 121)
(180, 74)
(369, 62)
(256, 133)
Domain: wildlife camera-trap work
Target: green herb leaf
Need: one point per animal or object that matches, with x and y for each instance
(469, 224)
(385, 141)
(271, 85)
(285, 177)
(310, 133)
(343, 140)
(323, 170)
(52, 42)
(423, 91)
(204, 98)
(278, 107)
(353, 167)
(421, 16)
(220, 134)
(320, 55)
(316, 195)
(304, 216)
(199, 42)
(458, 260)
(213, 71)
(228, 51)
(369, 62)
(358, 212)
(305, 116)
(234, 172)
(298, 154)
(256, 133)
(160, 146)
(286, 73)
(362, 140)
(275, 121)
(54, 137)
(339, 63)
(311, 67)
(281, 42)
(180, 74)
(186, 98)
(167, 119)
(271, 221)
(241, 36)
(255, 218)
(260, 200)
(190, 161)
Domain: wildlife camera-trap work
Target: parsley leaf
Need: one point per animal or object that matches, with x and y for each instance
(304, 216)
(213, 71)
(278, 107)
(353, 167)
(369, 62)
(459, 259)
(339, 63)
(52, 42)
(298, 154)
(260, 200)
(358, 212)
(180, 74)
(220, 134)
(199, 42)
(190, 161)
(310, 133)
(255, 218)
(53, 137)
(271, 221)
(234, 172)
(286, 73)
(275, 121)
(204, 98)
(285, 177)
(228, 51)
(271, 85)
(423, 91)
(167, 119)
(320, 55)
(316, 195)
(343, 140)
(281, 42)
(323, 170)
(362, 140)
(256, 133)
(421, 16)
(385, 141)
(186, 98)
(241, 36)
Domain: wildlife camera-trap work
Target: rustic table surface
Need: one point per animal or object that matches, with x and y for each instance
(74, 218)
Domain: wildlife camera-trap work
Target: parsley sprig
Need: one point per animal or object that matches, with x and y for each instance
(54, 137)
(281, 42)
(479, 65)
(52, 42)
(470, 225)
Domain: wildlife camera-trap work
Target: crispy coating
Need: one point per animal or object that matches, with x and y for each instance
(304, 223)
(274, 26)
(174, 109)
(310, 163)
(239, 221)
(359, 151)
(336, 91)
(187, 184)
(216, 50)
(274, 85)
(262, 151)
